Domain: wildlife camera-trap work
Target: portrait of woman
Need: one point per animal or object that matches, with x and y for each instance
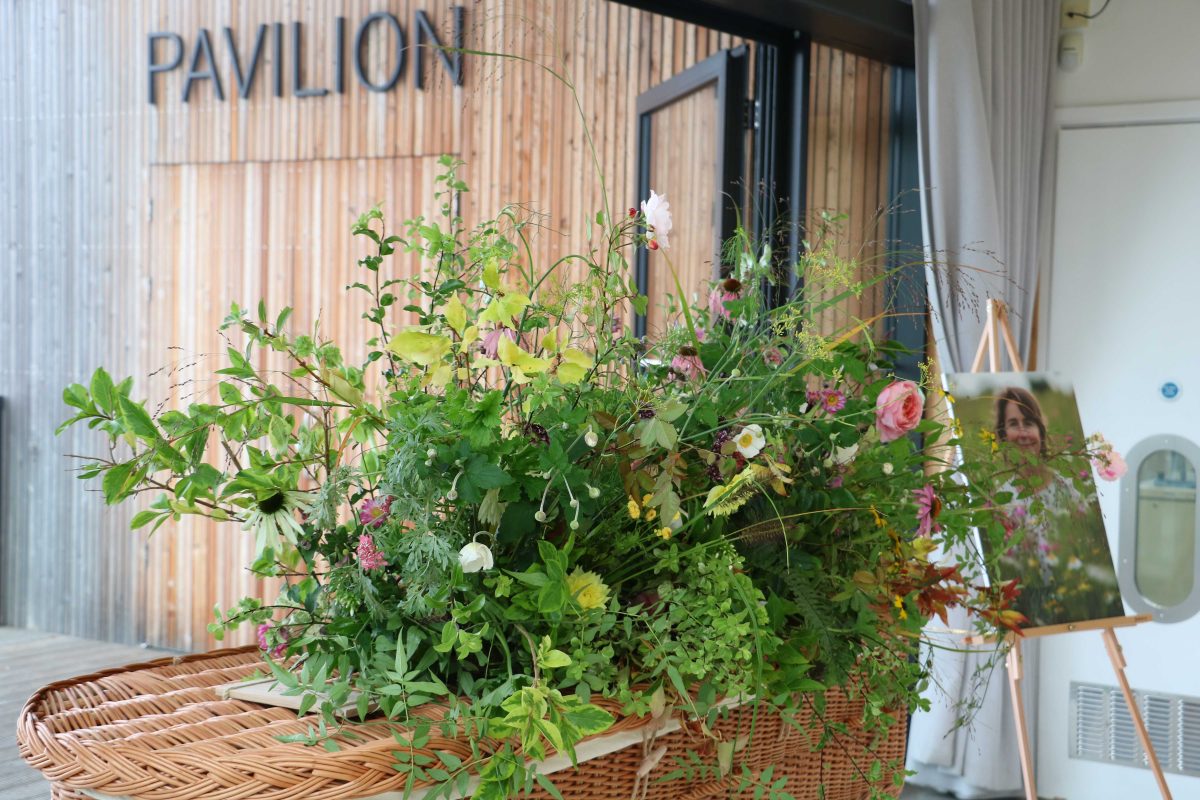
(1054, 541)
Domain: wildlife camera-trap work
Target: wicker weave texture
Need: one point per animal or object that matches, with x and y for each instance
(157, 731)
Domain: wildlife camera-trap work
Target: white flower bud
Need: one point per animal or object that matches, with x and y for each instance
(429, 462)
(565, 426)
(574, 525)
(574, 503)
(827, 463)
(593, 492)
(733, 373)
(452, 495)
(887, 468)
(539, 515)
(475, 557)
(590, 438)
(431, 453)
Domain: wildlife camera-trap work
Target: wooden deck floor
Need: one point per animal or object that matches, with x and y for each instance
(28, 661)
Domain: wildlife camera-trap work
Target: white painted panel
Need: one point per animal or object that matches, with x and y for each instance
(1124, 316)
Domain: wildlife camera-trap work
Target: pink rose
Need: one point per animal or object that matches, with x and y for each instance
(898, 410)
(1110, 465)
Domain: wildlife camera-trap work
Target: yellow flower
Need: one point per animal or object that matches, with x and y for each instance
(651, 514)
(665, 533)
(587, 589)
(879, 520)
(635, 511)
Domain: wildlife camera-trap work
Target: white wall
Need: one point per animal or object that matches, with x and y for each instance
(1137, 51)
(1119, 315)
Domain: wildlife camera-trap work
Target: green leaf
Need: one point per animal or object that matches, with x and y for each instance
(548, 786)
(491, 274)
(420, 348)
(504, 309)
(486, 475)
(552, 597)
(575, 365)
(143, 518)
(658, 431)
(456, 314)
(76, 396)
(278, 432)
(589, 719)
(450, 760)
(135, 419)
(555, 659)
(511, 355)
(117, 482)
(103, 391)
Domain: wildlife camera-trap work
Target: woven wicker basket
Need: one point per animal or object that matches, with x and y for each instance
(157, 731)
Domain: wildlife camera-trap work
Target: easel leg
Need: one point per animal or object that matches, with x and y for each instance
(1118, 663)
(1018, 704)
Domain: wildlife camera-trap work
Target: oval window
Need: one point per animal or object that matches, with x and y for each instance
(1160, 531)
(1164, 561)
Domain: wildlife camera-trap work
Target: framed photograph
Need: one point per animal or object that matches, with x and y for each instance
(1054, 541)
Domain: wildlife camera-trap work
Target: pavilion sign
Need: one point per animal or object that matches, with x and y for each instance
(243, 59)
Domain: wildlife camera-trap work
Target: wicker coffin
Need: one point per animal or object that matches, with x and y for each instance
(158, 731)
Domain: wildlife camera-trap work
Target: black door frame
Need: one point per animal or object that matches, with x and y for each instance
(727, 70)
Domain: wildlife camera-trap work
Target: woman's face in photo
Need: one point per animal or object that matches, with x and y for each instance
(1021, 430)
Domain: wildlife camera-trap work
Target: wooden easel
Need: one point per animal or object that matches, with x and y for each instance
(997, 329)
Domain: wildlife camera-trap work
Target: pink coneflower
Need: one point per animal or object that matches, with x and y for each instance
(687, 364)
(928, 507)
(490, 343)
(726, 291)
(374, 511)
(832, 401)
(369, 558)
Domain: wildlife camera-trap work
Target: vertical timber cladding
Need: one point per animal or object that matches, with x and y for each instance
(134, 224)
(848, 173)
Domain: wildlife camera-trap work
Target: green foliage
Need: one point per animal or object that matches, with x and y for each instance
(512, 505)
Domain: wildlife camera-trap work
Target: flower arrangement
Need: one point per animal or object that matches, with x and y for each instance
(513, 505)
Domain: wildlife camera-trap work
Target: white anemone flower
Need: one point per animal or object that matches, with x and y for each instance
(844, 455)
(657, 212)
(475, 557)
(750, 441)
(273, 520)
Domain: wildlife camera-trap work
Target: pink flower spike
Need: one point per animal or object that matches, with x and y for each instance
(369, 558)
(1109, 465)
(374, 512)
(928, 507)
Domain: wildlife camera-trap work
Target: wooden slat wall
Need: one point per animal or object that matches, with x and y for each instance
(848, 170)
(128, 228)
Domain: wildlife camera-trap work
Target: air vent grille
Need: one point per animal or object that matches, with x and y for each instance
(1101, 728)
